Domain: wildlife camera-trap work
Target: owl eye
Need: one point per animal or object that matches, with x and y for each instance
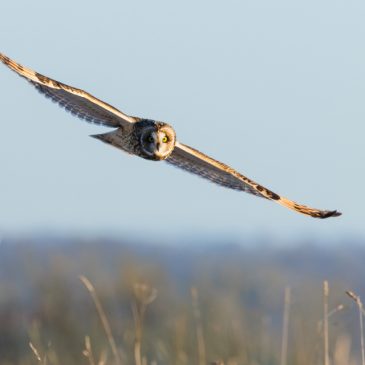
(164, 139)
(150, 139)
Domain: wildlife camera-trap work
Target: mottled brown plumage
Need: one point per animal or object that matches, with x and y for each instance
(150, 139)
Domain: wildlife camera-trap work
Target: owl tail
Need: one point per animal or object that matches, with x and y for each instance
(113, 138)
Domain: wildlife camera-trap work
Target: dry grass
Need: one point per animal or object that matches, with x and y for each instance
(357, 300)
(103, 319)
(145, 295)
(325, 323)
(226, 310)
(199, 327)
(284, 339)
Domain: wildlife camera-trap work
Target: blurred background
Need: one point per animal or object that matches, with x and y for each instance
(273, 89)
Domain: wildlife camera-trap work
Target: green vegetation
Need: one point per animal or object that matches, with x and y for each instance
(166, 304)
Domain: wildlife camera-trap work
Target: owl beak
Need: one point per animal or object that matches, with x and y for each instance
(158, 153)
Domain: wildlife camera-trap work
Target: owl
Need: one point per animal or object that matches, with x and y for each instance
(150, 139)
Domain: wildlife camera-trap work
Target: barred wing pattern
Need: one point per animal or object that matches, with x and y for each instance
(78, 102)
(194, 161)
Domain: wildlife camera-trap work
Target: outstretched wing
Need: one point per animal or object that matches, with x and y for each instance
(78, 102)
(196, 162)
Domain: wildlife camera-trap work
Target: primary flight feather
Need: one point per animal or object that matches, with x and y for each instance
(150, 139)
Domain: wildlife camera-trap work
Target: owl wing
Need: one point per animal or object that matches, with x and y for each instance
(194, 161)
(78, 102)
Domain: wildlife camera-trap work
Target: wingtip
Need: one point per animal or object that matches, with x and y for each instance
(4, 59)
(331, 213)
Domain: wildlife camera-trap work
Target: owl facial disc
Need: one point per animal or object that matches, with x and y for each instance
(158, 141)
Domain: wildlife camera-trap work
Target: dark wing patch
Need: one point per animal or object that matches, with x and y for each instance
(194, 161)
(78, 102)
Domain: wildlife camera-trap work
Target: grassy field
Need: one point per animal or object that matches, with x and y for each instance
(118, 302)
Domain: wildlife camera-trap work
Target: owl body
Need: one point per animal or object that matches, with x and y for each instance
(145, 138)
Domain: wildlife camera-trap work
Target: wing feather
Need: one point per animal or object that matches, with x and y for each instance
(77, 101)
(194, 161)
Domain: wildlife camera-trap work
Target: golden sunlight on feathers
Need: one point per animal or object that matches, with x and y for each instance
(137, 136)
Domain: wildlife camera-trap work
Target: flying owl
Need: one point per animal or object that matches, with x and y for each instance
(150, 139)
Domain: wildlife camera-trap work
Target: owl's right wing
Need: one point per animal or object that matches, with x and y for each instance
(77, 101)
(194, 161)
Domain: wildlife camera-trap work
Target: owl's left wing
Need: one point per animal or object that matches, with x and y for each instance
(194, 161)
(79, 102)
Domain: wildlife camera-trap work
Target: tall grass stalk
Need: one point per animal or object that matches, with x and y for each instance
(37, 354)
(88, 351)
(284, 340)
(332, 312)
(103, 317)
(199, 327)
(326, 359)
(138, 324)
(144, 295)
(357, 300)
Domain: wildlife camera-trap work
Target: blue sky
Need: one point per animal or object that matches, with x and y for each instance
(273, 88)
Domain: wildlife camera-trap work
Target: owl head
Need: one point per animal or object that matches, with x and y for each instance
(156, 139)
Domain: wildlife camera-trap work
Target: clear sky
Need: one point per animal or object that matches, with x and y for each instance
(273, 88)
